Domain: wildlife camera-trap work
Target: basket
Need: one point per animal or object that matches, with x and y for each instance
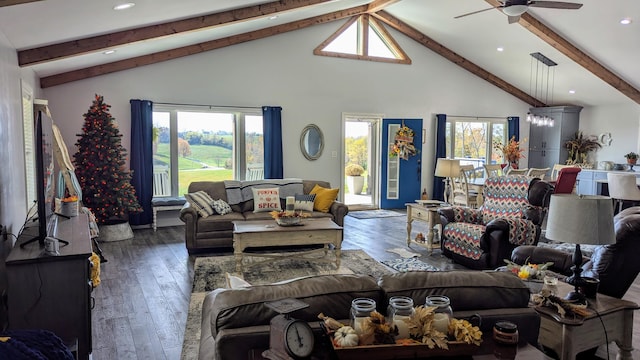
(289, 221)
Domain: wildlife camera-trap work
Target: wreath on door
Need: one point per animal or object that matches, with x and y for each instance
(403, 143)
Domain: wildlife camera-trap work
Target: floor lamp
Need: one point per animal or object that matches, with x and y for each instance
(580, 219)
(448, 169)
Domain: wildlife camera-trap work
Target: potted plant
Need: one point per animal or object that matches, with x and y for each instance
(632, 158)
(355, 180)
(579, 147)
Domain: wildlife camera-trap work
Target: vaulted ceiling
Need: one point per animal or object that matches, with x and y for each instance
(597, 57)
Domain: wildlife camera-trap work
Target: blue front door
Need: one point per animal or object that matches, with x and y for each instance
(401, 171)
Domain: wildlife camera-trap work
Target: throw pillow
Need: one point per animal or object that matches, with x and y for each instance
(304, 202)
(221, 207)
(236, 282)
(201, 201)
(324, 198)
(266, 199)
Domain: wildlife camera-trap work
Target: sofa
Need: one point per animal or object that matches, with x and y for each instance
(615, 265)
(512, 213)
(235, 321)
(216, 231)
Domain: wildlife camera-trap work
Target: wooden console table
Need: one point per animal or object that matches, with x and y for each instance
(568, 336)
(53, 292)
(429, 215)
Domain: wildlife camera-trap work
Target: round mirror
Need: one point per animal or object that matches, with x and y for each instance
(311, 142)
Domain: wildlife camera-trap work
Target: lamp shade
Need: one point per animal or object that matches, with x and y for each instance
(447, 168)
(581, 219)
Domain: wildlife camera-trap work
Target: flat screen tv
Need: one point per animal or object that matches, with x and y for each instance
(45, 171)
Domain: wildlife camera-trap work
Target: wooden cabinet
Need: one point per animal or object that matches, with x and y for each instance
(546, 144)
(53, 292)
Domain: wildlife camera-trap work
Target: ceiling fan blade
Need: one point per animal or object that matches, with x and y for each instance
(475, 12)
(555, 5)
(514, 19)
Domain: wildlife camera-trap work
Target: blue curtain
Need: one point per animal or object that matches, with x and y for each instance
(142, 158)
(513, 127)
(441, 152)
(272, 127)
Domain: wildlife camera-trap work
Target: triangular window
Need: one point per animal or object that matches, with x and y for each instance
(364, 38)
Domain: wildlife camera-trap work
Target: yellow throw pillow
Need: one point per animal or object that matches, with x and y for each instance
(324, 198)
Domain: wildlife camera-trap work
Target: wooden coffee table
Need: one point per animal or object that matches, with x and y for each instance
(266, 233)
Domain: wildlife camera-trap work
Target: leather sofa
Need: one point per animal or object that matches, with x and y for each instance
(234, 321)
(216, 231)
(615, 265)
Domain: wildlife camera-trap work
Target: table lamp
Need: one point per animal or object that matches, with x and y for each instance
(580, 219)
(447, 168)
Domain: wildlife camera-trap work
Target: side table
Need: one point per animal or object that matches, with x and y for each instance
(429, 214)
(569, 336)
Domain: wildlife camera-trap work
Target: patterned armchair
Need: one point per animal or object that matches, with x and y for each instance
(511, 215)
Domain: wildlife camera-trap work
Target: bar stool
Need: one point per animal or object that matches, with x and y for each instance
(623, 187)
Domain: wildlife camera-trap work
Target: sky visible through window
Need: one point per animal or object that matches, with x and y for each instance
(206, 121)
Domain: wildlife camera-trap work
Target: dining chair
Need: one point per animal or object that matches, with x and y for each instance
(623, 187)
(555, 170)
(469, 170)
(566, 181)
(539, 173)
(492, 170)
(523, 171)
(460, 191)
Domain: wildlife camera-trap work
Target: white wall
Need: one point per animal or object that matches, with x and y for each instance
(13, 206)
(282, 70)
(622, 121)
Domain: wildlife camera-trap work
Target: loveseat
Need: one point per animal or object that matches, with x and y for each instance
(615, 265)
(216, 231)
(235, 321)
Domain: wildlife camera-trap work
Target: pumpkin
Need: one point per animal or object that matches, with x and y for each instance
(346, 336)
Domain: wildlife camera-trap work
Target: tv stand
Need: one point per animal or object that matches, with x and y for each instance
(53, 292)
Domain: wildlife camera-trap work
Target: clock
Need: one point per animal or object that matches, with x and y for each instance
(289, 338)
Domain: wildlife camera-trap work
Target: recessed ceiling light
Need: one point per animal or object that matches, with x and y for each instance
(124, 6)
(572, 91)
(108, 52)
(273, 17)
(500, 48)
(625, 21)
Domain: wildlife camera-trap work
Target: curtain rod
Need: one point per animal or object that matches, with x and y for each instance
(479, 117)
(210, 106)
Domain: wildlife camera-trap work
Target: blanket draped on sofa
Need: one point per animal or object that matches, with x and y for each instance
(240, 191)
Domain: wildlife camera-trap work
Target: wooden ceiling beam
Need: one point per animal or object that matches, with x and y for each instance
(15, 2)
(161, 56)
(100, 42)
(455, 58)
(377, 5)
(572, 52)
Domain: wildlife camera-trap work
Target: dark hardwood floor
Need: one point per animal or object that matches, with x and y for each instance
(142, 302)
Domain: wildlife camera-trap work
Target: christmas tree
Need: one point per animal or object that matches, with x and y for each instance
(100, 167)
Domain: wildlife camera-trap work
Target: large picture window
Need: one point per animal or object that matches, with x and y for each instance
(471, 140)
(192, 144)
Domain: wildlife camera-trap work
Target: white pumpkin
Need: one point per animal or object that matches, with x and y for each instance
(346, 336)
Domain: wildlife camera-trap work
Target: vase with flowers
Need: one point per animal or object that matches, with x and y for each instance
(511, 152)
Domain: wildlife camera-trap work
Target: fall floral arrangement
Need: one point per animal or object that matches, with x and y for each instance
(528, 271)
(403, 144)
(511, 151)
(288, 218)
(377, 331)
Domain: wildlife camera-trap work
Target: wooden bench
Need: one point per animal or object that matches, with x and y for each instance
(165, 204)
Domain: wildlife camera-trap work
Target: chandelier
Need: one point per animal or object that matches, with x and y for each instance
(541, 78)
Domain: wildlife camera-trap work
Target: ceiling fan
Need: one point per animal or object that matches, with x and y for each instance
(514, 8)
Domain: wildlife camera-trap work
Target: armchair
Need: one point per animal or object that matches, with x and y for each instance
(511, 215)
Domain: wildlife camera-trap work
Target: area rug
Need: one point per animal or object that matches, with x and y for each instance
(373, 214)
(209, 274)
(404, 253)
(410, 264)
